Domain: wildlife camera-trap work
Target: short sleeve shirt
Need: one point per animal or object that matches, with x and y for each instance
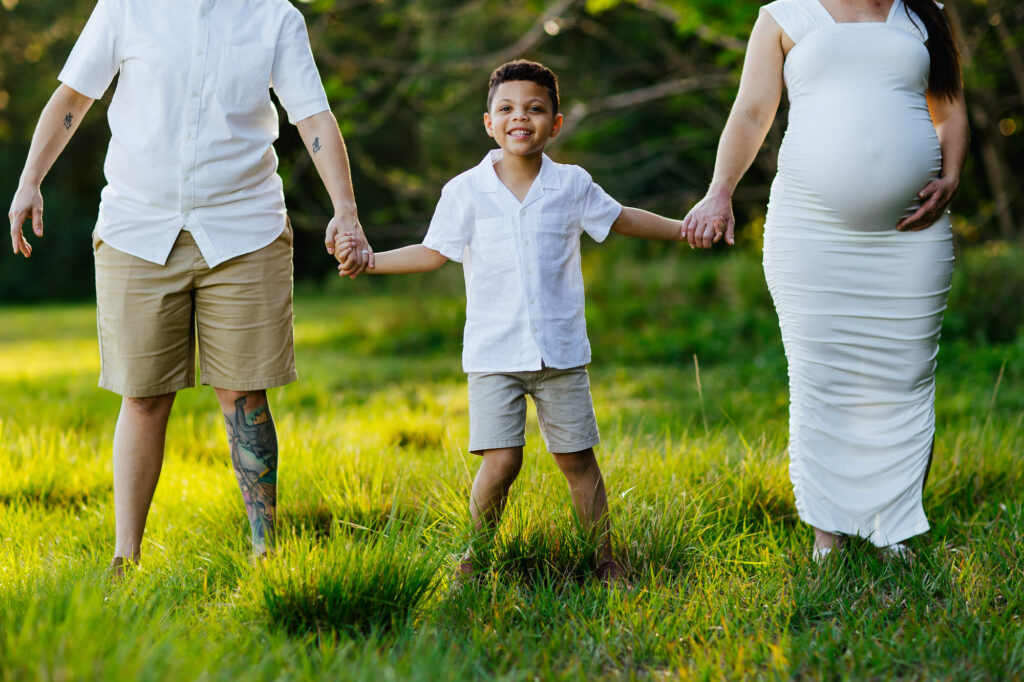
(521, 260)
(192, 123)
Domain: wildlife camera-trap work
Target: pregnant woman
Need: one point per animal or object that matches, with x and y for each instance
(857, 247)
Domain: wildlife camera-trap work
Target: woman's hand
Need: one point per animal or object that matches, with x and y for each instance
(710, 220)
(935, 197)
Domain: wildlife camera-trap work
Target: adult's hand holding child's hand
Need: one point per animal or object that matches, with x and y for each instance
(709, 221)
(347, 243)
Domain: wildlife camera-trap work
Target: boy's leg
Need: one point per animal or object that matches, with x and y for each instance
(586, 485)
(138, 456)
(491, 485)
(252, 438)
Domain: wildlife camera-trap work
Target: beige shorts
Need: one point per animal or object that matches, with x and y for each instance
(151, 318)
(565, 409)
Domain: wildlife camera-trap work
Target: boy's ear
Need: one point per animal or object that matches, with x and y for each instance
(487, 125)
(556, 125)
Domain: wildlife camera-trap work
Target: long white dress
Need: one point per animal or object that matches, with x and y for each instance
(860, 304)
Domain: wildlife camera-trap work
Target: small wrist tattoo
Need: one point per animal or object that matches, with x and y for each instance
(67, 121)
(316, 145)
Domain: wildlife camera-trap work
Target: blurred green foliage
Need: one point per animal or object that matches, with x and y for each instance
(647, 85)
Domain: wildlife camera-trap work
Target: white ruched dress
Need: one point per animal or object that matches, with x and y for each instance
(860, 304)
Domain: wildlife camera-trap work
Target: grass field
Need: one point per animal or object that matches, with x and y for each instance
(373, 486)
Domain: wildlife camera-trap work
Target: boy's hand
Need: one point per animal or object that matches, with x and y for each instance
(346, 250)
(710, 220)
(347, 243)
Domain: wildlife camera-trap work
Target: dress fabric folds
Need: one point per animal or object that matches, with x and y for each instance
(860, 304)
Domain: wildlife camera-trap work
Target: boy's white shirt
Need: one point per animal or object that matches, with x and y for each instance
(191, 121)
(524, 285)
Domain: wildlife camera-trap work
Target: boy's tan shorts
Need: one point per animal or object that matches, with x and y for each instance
(150, 317)
(565, 409)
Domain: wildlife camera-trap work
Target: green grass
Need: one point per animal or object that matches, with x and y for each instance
(373, 486)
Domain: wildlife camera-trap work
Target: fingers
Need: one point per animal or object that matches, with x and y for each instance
(926, 214)
(18, 242)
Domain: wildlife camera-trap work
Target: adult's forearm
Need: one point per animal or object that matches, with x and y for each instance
(954, 139)
(330, 157)
(58, 121)
(741, 139)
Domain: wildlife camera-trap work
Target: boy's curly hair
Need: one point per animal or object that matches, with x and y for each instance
(524, 70)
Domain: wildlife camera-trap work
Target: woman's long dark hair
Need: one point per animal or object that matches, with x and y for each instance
(945, 79)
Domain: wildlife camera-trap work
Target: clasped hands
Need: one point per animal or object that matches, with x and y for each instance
(347, 243)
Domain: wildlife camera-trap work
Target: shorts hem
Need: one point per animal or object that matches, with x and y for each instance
(145, 391)
(477, 448)
(250, 384)
(566, 448)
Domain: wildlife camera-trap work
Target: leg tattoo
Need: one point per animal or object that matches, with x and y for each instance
(253, 441)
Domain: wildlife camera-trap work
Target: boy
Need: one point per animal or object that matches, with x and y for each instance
(516, 219)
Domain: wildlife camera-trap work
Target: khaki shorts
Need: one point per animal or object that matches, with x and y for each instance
(565, 409)
(151, 318)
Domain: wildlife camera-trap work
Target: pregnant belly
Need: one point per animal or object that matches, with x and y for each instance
(863, 170)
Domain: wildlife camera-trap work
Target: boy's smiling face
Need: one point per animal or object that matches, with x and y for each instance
(521, 119)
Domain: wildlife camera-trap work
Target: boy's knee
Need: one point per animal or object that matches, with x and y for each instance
(150, 406)
(504, 463)
(577, 464)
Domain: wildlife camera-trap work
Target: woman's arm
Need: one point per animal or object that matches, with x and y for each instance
(327, 148)
(752, 114)
(950, 119)
(57, 123)
(414, 258)
(636, 222)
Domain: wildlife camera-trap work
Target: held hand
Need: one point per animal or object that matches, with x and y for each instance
(935, 197)
(709, 221)
(347, 243)
(27, 205)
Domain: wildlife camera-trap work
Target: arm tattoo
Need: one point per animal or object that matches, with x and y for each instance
(253, 441)
(67, 121)
(316, 145)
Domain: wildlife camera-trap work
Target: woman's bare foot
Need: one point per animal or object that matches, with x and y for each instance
(119, 566)
(825, 543)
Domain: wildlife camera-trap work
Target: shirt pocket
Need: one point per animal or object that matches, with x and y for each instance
(555, 233)
(244, 75)
(492, 243)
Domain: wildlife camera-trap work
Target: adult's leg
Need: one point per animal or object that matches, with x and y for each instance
(252, 439)
(138, 455)
(586, 485)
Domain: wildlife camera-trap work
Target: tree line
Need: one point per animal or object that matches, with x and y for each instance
(647, 86)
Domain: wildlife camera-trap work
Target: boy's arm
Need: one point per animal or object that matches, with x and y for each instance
(636, 222)
(327, 148)
(57, 123)
(414, 258)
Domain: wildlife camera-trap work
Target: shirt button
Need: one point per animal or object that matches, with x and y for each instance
(191, 136)
(531, 301)
(195, 93)
(187, 212)
(526, 241)
(187, 177)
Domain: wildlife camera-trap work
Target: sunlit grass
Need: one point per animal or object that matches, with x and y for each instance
(373, 485)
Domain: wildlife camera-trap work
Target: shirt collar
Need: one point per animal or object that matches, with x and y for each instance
(488, 180)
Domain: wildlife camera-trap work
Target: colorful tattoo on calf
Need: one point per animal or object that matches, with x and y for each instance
(253, 441)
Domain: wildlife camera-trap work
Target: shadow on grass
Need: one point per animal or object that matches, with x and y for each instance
(349, 583)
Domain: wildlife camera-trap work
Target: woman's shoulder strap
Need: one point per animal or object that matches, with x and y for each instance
(796, 17)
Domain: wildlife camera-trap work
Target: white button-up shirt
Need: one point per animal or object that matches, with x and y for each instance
(191, 122)
(524, 285)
